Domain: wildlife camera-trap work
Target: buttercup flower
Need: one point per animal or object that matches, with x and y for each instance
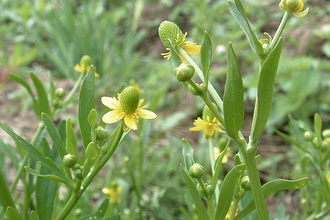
(114, 191)
(294, 6)
(170, 31)
(209, 122)
(127, 108)
(85, 65)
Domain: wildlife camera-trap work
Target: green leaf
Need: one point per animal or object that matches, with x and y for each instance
(217, 166)
(237, 10)
(233, 99)
(86, 104)
(42, 94)
(13, 214)
(269, 189)
(48, 176)
(264, 99)
(54, 135)
(99, 214)
(318, 128)
(71, 140)
(206, 56)
(33, 215)
(200, 208)
(35, 153)
(92, 118)
(227, 191)
(188, 154)
(35, 104)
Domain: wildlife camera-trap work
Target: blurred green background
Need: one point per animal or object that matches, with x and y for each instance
(121, 37)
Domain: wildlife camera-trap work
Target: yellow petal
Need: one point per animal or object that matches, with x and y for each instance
(130, 121)
(197, 128)
(111, 103)
(145, 113)
(302, 13)
(192, 49)
(78, 68)
(112, 117)
(106, 190)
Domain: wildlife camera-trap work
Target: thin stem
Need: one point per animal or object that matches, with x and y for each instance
(279, 30)
(211, 152)
(75, 87)
(210, 207)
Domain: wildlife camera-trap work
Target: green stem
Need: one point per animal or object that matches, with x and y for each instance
(75, 88)
(211, 152)
(248, 153)
(210, 207)
(279, 30)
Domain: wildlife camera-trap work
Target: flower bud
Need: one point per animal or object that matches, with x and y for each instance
(129, 99)
(169, 30)
(199, 92)
(184, 72)
(57, 103)
(86, 61)
(78, 174)
(209, 190)
(308, 136)
(69, 160)
(197, 171)
(326, 143)
(245, 184)
(101, 134)
(326, 133)
(60, 93)
(292, 6)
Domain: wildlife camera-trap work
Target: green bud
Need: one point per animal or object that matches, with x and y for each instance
(169, 30)
(57, 103)
(326, 143)
(197, 171)
(70, 160)
(326, 133)
(199, 92)
(77, 167)
(209, 190)
(78, 174)
(308, 136)
(86, 61)
(184, 72)
(60, 93)
(292, 6)
(101, 134)
(129, 99)
(245, 184)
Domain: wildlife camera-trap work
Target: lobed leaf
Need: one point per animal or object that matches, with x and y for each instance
(264, 99)
(233, 99)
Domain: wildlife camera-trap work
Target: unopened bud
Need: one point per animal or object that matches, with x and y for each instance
(86, 61)
(197, 171)
(69, 160)
(245, 184)
(326, 133)
(184, 72)
(60, 93)
(308, 136)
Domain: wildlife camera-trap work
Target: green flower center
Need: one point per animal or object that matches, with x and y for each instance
(169, 30)
(129, 99)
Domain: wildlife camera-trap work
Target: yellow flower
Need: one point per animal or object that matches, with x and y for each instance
(294, 6)
(170, 31)
(85, 65)
(210, 126)
(217, 153)
(114, 193)
(127, 108)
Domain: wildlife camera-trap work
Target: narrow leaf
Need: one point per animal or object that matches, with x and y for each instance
(42, 94)
(237, 10)
(233, 99)
(227, 191)
(54, 134)
(269, 189)
(206, 56)
(318, 128)
(71, 140)
(33, 151)
(48, 176)
(188, 154)
(200, 208)
(86, 104)
(99, 214)
(264, 99)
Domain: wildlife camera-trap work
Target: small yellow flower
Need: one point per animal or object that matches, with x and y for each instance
(85, 65)
(217, 153)
(210, 126)
(114, 192)
(294, 6)
(169, 30)
(127, 108)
